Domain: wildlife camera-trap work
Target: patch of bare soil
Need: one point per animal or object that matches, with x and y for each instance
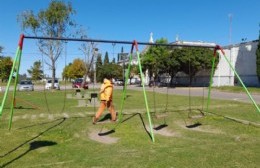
(102, 138)
(201, 128)
(163, 130)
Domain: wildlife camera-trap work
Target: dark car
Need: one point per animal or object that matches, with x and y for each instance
(79, 83)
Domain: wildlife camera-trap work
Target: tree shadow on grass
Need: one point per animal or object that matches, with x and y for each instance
(34, 144)
(39, 124)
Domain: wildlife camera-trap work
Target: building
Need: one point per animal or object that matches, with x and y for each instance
(242, 57)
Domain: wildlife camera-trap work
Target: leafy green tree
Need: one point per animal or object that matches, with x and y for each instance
(114, 61)
(65, 72)
(54, 21)
(1, 49)
(106, 59)
(35, 72)
(194, 59)
(77, 69)
(170, 64)
(154, 60)
(111, 69)
(99, 65)
(6, 64)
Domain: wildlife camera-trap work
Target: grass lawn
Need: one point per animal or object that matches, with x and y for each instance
(51, 129)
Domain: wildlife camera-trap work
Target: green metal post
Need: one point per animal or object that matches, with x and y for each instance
(9, 80)
(15, 86)
(211, 80)
(125, 86)
(145, 97)
(249, 95)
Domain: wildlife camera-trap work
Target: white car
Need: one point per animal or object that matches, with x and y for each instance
(25, 85)
(118, 82)
(56, 84)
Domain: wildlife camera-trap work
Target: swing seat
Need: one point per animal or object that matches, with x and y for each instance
(159, 127)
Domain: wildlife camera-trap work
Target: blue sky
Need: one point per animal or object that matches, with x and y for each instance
(191, 20)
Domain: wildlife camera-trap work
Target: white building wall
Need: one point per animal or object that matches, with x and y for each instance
(243, 59)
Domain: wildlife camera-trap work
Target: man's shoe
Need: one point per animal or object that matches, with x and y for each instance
(113, 121)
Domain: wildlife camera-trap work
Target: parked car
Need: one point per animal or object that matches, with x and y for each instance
(118, 82)
(135, 81)
(49, 83)
(79, 83)
(158, 84)
(25, 85)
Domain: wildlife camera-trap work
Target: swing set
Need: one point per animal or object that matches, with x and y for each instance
(134, 46)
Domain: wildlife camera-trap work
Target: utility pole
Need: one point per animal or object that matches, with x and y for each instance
(122, 51)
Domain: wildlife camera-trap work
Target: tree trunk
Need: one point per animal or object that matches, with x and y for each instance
(53, 74)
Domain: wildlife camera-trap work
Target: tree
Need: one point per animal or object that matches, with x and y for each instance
(77, 69)
(170, 65)
(99, 65)
(1, 49)
(114, 61)
(110, 69)
(6, 64)
(194, 59)
(106, 59)
(89, 50)
(52, 22)
(65, 72)
(155, 57)
(35, 72)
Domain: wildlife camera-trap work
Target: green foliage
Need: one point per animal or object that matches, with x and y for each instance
(35, 71)
(106, 68)
(110, 69)
(77, 69)
(194, 59)
(6, 64)
(54, 21)
(65, 72)
(164, 60)
(106, 59)
(99, 68)
(1, 49)
(155, 58)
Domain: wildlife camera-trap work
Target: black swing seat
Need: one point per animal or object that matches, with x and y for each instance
(159, 127)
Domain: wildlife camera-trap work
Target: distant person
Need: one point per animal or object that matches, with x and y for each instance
(106, 97)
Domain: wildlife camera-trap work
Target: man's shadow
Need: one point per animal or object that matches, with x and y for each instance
(33, 144)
